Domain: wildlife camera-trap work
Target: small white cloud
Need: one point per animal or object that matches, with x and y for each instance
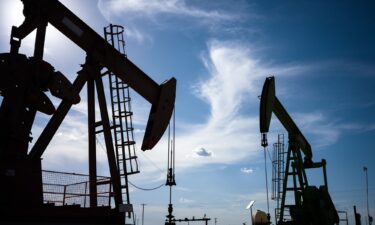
(247, 170)
(185, 200)
(202, 152)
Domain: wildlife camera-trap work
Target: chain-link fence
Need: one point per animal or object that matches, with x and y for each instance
(60, 188)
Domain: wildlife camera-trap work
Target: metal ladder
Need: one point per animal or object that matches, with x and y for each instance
(122, 123)
(278, 166)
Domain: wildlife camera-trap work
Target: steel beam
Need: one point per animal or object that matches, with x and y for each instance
(92, 141)
(57, 118)
(108, 141)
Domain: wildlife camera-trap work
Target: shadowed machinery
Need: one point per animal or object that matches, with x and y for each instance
(29, 194)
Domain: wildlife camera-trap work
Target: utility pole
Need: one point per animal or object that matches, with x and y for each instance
(369, 218)
(215, 221)
(143, 213)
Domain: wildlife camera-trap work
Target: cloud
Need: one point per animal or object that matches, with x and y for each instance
(185, 201)
(233, 81)
(153, 8)
(247, 170)
(201, 152)
(137, 35)
(324, 130)
(144, 16)
(317, 125)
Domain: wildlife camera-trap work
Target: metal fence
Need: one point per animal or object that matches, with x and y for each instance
(60, 188)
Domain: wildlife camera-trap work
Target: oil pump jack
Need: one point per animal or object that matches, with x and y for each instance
(309, 205)
(23, 81)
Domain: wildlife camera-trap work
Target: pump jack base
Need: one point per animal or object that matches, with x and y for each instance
(61, 215)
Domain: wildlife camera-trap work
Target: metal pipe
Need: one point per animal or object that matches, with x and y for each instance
(143, 213)
(64, 194)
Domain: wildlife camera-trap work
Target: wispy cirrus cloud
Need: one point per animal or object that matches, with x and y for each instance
(138, 35)
(234, 80)
(153, 8)
(164, 14)
(324, 130)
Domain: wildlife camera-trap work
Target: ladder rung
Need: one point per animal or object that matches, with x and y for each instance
(98, 131)
(132, 157)
(129, 143)
(105, 73)
(123, 115)
(292, 189)
(126, 113)
(98, 123)
(128, 159)
(114, 126)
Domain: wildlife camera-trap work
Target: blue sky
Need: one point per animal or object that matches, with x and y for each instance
(322, 54)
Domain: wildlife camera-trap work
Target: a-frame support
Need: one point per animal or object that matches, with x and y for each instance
(95, 80)
(90, 73)
(294, 167)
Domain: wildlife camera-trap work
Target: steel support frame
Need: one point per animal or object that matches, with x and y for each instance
(295, 163)
(92, 142)
(115, 176)
(56, 120)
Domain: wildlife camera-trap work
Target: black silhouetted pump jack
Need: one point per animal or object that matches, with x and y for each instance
(23, 82)
(312, 206)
